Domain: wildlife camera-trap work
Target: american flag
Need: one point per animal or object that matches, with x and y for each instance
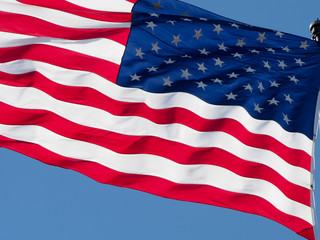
(166, 98)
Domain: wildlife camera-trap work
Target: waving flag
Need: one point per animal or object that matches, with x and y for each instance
(166, 98)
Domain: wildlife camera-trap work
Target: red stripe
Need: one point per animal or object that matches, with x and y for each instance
(132, 1)
(68, 7)
(16, 23)
(90, 97)
(124, 144)
(63, 58)
(185, 192)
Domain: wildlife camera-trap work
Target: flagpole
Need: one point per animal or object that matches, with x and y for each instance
(315, 32)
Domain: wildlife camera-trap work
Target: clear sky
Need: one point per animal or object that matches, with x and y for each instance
(38, 201)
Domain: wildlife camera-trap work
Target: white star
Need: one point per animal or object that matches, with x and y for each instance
(266, 64)
(139, 53)
(151, 25)
(186, 56)
(222, 47)
(237, 55)
(172, 22)
(167, 81)
(288, 98)
(248, 87)
(176, 39)
(202, 85)
(152, 69)
(304, 44)
(187, 19)
(154, 15)
(202, 67)
(261, 86)
(169, 61)
(280, 34)
(254, 51)
(218, 29)
(235, 25)
(282, 64)
(287, 49)
(286, 119)
(218, 62)
(273, 101)
(135, 77)
(186, 74)
(271, 50)
(241, 42)
(217, 80)
(231, 96)
(250, 70)
(293, 79)
(155, 47)
(257, 108)
(261, 37)
(274, 84)
(233, 75)
(198, 34)
(204, 51)
(299, 61)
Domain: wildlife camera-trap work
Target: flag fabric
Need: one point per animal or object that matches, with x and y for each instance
(166, 98)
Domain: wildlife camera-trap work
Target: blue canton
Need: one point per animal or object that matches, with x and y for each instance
(176, 47)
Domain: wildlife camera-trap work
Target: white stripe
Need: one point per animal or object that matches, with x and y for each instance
(32, 98)
(57, 17)
(161, 101)
(102, 48)
(105, 5)
(160, 167)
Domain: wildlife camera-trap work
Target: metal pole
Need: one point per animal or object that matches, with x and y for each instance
(315, 30)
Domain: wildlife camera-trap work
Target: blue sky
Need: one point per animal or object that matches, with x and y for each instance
(38, 201)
